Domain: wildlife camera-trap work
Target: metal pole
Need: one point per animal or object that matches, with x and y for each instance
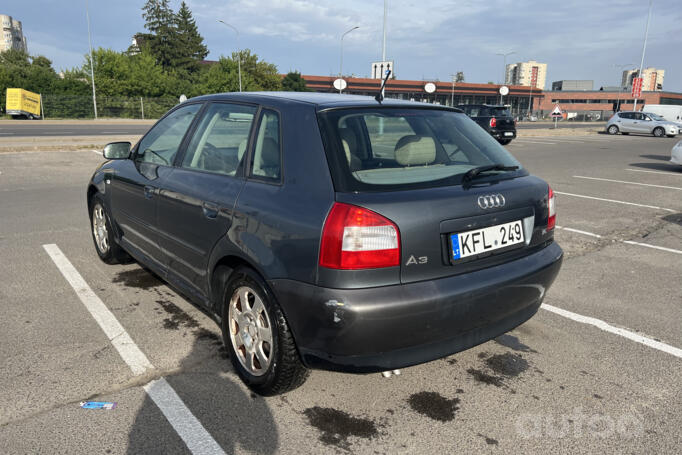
(504, 74)
(530, 95)
(341, 63)
(452, 94)
(92, 63)
(646, 35)
(239, 53)
(383, 47)
(42, 109)
(620, 84)
(142, 107)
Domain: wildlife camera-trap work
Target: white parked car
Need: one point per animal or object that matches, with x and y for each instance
(641, 122)
(676, 154)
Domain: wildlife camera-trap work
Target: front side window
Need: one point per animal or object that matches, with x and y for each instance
(161, 144)
(267, 162)
(219, 143)
(380, 149)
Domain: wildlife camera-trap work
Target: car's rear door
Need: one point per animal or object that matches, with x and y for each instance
(626, 122)
(135, 186)
(197, 200)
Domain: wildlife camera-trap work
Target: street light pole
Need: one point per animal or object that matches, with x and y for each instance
(239, 53)
(620, 85)
(646, 35)
(341, 63)
(504, 77)
(92, 63)
(452, 94)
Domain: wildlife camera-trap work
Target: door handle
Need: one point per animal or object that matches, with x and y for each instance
(210, 210)
(149, 191)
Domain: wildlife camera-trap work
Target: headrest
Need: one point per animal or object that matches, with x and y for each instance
(270, 152)
(415, 150)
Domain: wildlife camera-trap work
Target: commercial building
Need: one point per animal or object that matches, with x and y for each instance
(572, 85)
(652, 79)
(530, 74)
(12, 35)
(445, 93)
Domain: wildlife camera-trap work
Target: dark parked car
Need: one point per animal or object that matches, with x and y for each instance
(496, 120)
(330, 231)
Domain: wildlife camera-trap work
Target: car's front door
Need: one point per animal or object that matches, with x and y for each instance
(135, 186)
(198, 196)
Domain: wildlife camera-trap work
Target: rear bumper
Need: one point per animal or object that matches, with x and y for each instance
(503, 134)
(384, 328)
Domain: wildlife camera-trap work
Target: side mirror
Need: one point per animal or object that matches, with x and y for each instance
(117, 151)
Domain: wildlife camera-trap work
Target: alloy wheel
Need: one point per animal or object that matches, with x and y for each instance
(99, 228)
(250, 330)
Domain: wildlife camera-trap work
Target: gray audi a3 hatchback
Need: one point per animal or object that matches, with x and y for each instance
(330, 231)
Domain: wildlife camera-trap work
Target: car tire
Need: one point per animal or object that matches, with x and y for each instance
(103, 234)
(613, 129)
(504, 141)
(255, 331)
(658, 132)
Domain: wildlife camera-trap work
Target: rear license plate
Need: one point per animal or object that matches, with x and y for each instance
(508, 133)
(484, 240)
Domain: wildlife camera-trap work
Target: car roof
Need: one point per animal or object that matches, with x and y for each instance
(320, 100)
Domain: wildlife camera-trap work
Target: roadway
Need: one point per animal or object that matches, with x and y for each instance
(597, 370)
(34, 128)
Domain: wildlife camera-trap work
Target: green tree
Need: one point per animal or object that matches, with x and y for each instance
(223, 76)
(162, 37)
(293, 82)
(459, 77)
(190, 44)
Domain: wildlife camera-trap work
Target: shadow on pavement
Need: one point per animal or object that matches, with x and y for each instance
(231, 414)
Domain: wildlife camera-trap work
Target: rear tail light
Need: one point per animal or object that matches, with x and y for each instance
(356, 238)
(493, 122)
(551, 210)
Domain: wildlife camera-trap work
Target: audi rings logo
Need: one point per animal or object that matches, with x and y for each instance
(491, 201)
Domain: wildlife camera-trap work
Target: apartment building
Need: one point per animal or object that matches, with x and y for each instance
(12, 36)
(652, 79)
(531, 74)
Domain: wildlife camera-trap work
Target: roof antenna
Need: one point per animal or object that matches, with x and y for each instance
(380, 95)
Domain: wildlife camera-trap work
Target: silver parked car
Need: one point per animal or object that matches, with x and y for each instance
(641, 122)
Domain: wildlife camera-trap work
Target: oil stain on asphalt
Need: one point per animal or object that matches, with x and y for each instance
(137, 278)
(434, 405)
(177, 317)
(337, 426)
(508, 364)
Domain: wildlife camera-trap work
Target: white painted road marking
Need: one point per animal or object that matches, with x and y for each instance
(679, 174)
(188, 427)
(118, 336)
(656, 247)
(96, 151)
(629, 242)
(615, 330)
(533, 142)
(628, 183)
(578, 231)
(615, 201)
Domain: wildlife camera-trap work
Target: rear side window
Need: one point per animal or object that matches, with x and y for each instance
(219, 143)
(384, 149)
(267, 155)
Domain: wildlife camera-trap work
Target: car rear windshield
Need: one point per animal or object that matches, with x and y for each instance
(387, 149)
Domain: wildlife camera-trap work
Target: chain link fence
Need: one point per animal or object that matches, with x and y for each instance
(66, 106)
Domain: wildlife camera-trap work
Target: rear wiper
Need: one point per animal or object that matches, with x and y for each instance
(475, 172)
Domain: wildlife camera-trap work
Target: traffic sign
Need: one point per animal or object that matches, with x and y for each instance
(636, 87)
(556, 112)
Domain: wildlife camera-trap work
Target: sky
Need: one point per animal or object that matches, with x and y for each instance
(427, 39)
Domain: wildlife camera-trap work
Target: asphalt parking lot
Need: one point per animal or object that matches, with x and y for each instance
(598, 369)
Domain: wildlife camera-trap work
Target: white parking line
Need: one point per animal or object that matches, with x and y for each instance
(662, 248)
(96, 151)
(679, 174)
(615, 330)
(578, 231)
(629, 242)
(195, 436)
(628, 183)
(615, 201)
